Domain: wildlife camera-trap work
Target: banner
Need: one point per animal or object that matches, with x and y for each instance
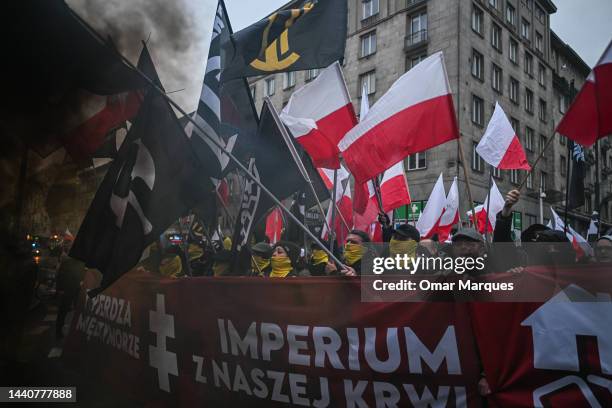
(256, 342)
(555, 353)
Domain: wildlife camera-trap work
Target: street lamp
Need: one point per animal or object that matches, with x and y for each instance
(542, 196)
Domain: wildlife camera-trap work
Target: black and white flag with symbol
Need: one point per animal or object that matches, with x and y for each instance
(578, 173)
(154, 180)
(225, 111)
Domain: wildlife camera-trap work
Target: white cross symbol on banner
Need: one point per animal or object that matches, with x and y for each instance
(162, 325)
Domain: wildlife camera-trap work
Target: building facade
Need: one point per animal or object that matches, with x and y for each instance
(495, 51)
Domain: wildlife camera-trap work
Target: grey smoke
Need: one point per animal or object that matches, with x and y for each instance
(178, 33)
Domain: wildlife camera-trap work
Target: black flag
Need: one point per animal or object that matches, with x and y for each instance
(154, 180)
(576, 185)
(225, 110)
(303, 35)
(273, 164)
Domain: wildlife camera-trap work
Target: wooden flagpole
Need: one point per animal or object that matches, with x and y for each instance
(467, 182)
(218, 144)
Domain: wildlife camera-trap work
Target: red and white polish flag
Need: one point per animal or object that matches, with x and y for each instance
(319, 114)
(274, 225)
(327, 175)
(344, 215)
(487, 220)
(450, 216)
(500, 147)
(590, 116)
(580, 245)
(430, 218)
(414, 115)
(394, 190)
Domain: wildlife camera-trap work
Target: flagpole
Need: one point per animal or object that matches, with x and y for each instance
(296, 158)
(333, 212)
(535, 163)
(467, 182)
(378, 194)
(567, 184)
(218, 144)
(487, 220)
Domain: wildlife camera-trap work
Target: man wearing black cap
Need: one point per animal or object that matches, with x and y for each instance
(261, 253)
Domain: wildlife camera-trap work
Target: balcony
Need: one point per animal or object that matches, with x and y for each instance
(416, 40)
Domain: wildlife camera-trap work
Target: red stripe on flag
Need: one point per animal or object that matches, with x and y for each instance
(514, 158)
(415, 129)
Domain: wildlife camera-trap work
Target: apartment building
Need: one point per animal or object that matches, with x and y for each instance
(495, 51)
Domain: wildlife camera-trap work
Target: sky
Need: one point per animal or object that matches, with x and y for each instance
(583, 24)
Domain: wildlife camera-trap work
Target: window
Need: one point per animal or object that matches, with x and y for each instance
(368, 80)
(563, 165)
(542, 110)
(531, 219)
(253, 89)
(496, 34)
(527, 3)
(525, 29)
(513, 50)
(528, 100)
(370, 8)
(312, 74)
(529, 181)
(497, 173)
(477, 65)
(417, 161)
(562, 140)
(543, 181)
(270, 86)
(418, 28)
(496, 78)
(288, 80)
(477, 110)
(529, 138)
(528, 64)
(539, 42)
(514, 176)
(510, 14)
(515, 125)
(542, 75)
(368, 44)
(493, 3)
(514, 90)
(477, 20)
(477, 161)
(563, 101)
(414, 61)
(543, 141)
(540, 14)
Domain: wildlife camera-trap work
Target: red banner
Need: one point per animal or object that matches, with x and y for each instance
(554, 353)
(264, 342)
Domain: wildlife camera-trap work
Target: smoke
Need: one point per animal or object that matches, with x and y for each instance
(177, 34)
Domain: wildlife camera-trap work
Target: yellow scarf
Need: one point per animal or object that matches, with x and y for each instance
(227, 243)
(171, 267)
(220, 268)
(258, 264)
(194, 252)
(353, 253)
(319, 256)
(397, 247)
(281, 266)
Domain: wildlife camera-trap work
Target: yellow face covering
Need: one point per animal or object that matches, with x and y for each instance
(220, 268)
(195, 252)
(353, 253)
(281, 266)
(397, 247)
(227, 243)
(258, 264)
(319, 256)
(171, 267)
